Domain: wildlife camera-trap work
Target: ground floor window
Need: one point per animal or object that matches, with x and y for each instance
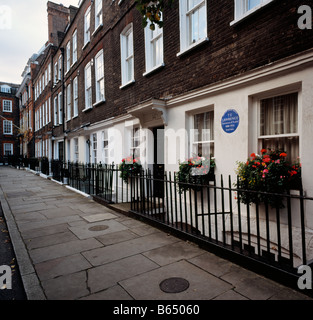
(94, 147)
(105, 146)
(8, 149)
(203, 134)
(278, 124)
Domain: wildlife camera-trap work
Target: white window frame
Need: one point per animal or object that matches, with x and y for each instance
(55, 106)
(98, 14)
(127, 55)
(87, 26)
(99, 72)
(201, 140)
(154, 55)
(88, 87)
(278, 136)
(9, 106)
(185, 42)
(60, 68)
(11, 149)
(68, 56)
(74, 44)
(75, 97)
(76, 150)
(135, 142)
(7, 124)
(60, 111)
(105, 146)
(242, 9)
(56, 73)
(68, 102)
(94, 148)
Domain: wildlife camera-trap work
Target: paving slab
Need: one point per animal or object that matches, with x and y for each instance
(111, 294)
(100, 217)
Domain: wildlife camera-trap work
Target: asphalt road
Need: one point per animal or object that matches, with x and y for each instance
(7, 258)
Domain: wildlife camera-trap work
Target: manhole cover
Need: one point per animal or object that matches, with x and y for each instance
(174, 285)
(98, 228)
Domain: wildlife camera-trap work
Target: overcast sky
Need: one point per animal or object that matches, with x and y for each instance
(23, 31)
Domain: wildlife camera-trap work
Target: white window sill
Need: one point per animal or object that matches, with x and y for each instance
(98, 103)
(192, 46)
(85, 45)
(87, 109)
(127, 84)
(153, 69)
(97, 29)
(74, 117)
(250, 12)
(73, 64)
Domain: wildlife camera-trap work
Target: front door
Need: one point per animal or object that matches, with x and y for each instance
(158, 166)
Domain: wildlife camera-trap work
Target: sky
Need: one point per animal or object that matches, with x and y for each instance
(23, 32)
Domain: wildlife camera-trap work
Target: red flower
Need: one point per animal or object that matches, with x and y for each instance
(263, 151)
(283, 154)
(252, 155)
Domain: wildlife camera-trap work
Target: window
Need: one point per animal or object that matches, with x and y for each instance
(99, 77)
(49, 110)
(127, 55)
(8, 149)
(245, 7)
(98, 13)
(68, 56)
(94, 148)
(105, 146)
(7, 127)
(278, 124)
(135, 143)
(49, 72)
(69, 102)
(203, 134)
(154, 47)
(193, 23)
(56, 72)
(60, 112)
(7, 106)
(87, 27)
(76, 150)
(75, 97)
(88, 87)
(6, 89)
(60, 68)
(74, 41)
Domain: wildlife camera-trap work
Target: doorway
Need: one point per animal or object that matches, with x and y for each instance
(158, 165)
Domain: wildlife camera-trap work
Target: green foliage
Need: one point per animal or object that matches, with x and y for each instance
(151, 11)
(196, 170)
(269, 172)
(128, 167)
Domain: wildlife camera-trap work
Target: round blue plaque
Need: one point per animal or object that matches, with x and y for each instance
(230, 121)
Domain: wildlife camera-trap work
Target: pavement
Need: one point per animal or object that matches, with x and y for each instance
(69, 247)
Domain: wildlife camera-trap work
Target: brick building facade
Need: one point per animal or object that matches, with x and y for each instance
(9, 121)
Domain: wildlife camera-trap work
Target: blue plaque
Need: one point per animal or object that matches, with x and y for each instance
(230, 121)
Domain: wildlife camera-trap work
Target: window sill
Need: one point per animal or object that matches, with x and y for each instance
(153, 69)
(192, 46)
(85, 45)
(97, 29)
(98, 103)
(127, 84)
(87, 109)
(74, 117)
(73, 64)
(250, 12)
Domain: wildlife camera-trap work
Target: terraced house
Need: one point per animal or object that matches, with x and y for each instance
(221, 78)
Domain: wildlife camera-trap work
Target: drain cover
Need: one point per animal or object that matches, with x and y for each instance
(174, 285)
(98, 228)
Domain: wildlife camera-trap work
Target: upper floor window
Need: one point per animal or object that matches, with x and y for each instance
(5, 88)
(88, 87)
(68, 56)
(7, 127)
(68, 102)
(98, 13)
(8, 149)
(154, 47)
(193, 23)
(60, 68)
(245, 7)
(55, 73)
(75, 97)
(7, 106)
(127, 55)
(99, 77)
(74, 44)
(87, 26)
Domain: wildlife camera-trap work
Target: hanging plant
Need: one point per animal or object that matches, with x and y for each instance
(129, 167)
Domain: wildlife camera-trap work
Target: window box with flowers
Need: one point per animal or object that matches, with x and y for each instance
(129, 167)
(267, 175)
(197, 171)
